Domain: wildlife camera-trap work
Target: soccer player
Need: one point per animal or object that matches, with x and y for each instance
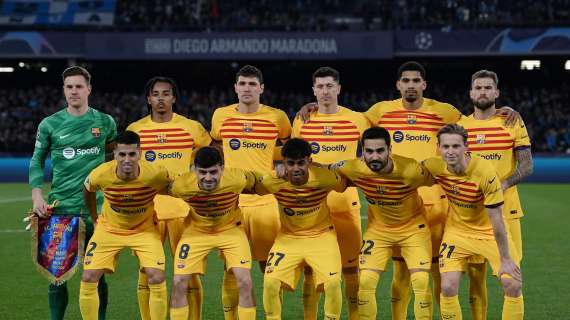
(397, 219)
(126, 221)
(215, 222)
(508, 149)
(76, 139)
(248, 132)
(307, 235)
(169, 139)
(475, 225)
(333, 132)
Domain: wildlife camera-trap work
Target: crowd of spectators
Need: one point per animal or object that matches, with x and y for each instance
(545, 110)
(325, 15)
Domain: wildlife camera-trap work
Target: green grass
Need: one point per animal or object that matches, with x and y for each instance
(23, 292)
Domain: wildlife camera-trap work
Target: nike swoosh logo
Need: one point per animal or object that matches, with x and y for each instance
(332, 273)
(244, 261)
(160, 263)
(352, 260)
(491, 181)
(65, 136)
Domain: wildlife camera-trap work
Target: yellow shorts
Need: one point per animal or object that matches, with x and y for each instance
(457, 250)
(194, 246)
(104, 247)
(349, 236)
(173, 229)
(261, 224)
(289, 254)
(414, 244)
(513, 227)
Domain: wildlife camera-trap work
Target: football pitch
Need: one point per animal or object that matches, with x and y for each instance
(546, 259)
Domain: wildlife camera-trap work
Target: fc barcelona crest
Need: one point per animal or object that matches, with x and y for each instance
(247, 127)
(381, 190)
(96, 132)
(161, 138)
(328, 130)
(300, 200)
(455, 189)
(480, 139)
(412, 119)
(128, 198)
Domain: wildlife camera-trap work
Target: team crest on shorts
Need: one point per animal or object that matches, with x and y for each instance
(412, 119)
(96, 132)
(161, 138)
(328, 130)
(480, 139)
(181, 264)
(247, 127)
(362, 259)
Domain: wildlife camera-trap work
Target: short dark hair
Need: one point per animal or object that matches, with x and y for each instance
(150, 85)
(326, 72)
(376, 133)
(296, 148)
(76, 71)
(250, 72)
(207, 157)
(485, 74)
(412, 66)
(452, 128)
(128, 137)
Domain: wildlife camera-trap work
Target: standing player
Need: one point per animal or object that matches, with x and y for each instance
(333, 133)
(215, 223)
(169, 139)
(508, 149)
(475, 225)
(307, 235)
(76, 139)
(127, 220)
(397, 219)
(248, 132)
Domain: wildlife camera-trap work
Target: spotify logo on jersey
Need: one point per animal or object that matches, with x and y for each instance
(68, 153)
(235, 144)
(315, 147)
(398, 136)
(150, 156)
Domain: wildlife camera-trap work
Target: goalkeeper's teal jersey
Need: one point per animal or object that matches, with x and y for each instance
(76, 145)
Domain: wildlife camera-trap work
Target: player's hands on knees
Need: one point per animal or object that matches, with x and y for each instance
(511, 115)
(508, 266)
(306, 110)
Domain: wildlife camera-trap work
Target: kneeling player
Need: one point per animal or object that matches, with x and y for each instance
(126, 221)
(307, 235)
(397, 219)
(213, 193)
(475, 225)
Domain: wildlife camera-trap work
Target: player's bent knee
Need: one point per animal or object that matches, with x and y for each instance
(368, 280)
(91, 275)
(512, 287)
(420, 280)
(155, 276)
(271, 286)
(449, 288)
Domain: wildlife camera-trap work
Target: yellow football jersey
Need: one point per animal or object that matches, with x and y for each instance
(128, 206)
(492, 140)
(469, 195)
(170, 144)
(303, 209)
(217, 210)
(393, 199)
(249, 139)
(334, 137)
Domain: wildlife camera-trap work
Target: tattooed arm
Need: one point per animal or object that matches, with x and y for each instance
(524, 168)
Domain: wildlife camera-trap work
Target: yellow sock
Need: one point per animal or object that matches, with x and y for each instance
(450, 308)
(311, 297)
(351, 291)
(230, 296)
(271, 298)
(422, 295)
(157, 301)
(400, 290)
(143, 295)
(195, 297)
(179, 313)
(89, 300)
(513, 308)
(246, 313)
(333, 299)
(478, 290)
(367, 294)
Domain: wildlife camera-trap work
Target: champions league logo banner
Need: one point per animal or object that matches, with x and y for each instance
(57, 246)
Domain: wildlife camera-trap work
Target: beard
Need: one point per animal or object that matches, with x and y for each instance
(483, 105)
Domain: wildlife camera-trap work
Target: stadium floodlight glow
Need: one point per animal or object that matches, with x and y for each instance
(6, 69)
(567, 65)
(530, 64)
(21, 64)
(43, 69)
